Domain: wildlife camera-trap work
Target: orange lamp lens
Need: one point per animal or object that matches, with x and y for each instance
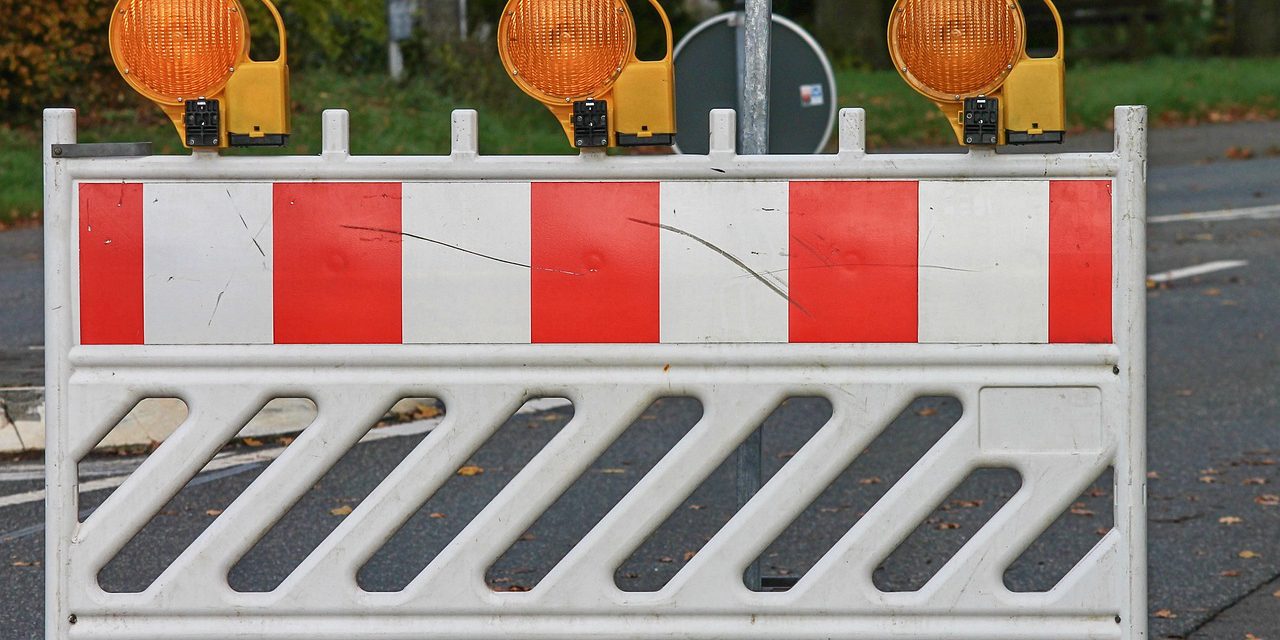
(956, 48)
(173, 50)
(559, 50)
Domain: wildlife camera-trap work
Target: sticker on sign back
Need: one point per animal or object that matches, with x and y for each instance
(811, 95)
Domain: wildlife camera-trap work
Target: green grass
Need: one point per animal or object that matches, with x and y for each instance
(412, 118)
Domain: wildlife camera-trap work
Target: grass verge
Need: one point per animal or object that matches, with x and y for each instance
(412, 118)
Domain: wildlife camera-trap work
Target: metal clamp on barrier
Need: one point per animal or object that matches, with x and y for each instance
(1014, 283)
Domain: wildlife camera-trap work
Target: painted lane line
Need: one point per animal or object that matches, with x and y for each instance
(204, 478)
(228, 461)
(1268, 212)
(1198, 270)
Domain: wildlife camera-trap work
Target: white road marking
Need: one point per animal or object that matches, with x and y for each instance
(1198, 270)
(226, 461)
(1253, 213)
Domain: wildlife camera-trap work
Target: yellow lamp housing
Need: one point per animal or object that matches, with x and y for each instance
(578, 57)
(970, 58)
(191, 57)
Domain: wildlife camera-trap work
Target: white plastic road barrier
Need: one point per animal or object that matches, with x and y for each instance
(1012, 282)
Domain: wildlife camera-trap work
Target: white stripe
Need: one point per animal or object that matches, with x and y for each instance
(1198, 270)
(984, 262)
(466, 274)
(705, 295)
(227, 461)
(1254, 213)
(207, 267)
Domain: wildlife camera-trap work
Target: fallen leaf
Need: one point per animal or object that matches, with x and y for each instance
(1097, 492)
(1208, 479)
(1240, 153)
(1268, 500)
(1249, 555)
(1253, 481)
(1210, 471)
(1213, 293)
(968, 504)
(1083, 512)
(927, 412)
(344, 510)
(688, 555)
(528, 537)
(284, 441)
(252, 442)
(1230, 573)
(21, 563)
(517, 588)
(1165, 614)
(470, 470)
(828, 510)
(871, 480)
(696, 507)
(1276, 595)
(1153, 475)
(1230, 520)
(1102, 531)
(666, 559)
(1250, 636)
(213, 512)
(613, 471)
(948, 526)
(437, 516)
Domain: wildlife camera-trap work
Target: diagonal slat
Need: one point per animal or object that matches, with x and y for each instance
(585, 576)
(343, 416)
(1050, 483)
(846, 569)
(96, 411)
(473, 415)
(600, 416)
(215, 416)
(860, 414)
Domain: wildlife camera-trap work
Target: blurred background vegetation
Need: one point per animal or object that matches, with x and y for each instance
(1190, 60)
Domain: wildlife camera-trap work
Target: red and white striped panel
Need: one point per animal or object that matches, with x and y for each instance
(608, 262)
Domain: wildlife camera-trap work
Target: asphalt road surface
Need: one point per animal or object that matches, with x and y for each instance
(1214, 441)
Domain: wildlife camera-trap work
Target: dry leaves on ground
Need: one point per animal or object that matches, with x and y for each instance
(1165, 614)
(1230, 520)
(470, 470)
(344, 510)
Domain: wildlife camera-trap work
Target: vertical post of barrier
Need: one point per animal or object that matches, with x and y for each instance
(61, 475)
(1131, 336)
(753, 65)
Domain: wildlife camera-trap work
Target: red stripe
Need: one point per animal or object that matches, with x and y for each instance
(854, 253)
(111, 307)
(337, 263)
(1080, 261)
(595, 262)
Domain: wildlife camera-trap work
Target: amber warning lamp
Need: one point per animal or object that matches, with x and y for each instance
(578, 57)
(970, 58)
(191, 57)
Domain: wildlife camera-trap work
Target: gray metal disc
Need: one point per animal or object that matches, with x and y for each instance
(802, 87)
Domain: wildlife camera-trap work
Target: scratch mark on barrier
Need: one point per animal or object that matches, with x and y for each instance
(727, 256)
(887, 265)
(463, 250)
(817, 254)
(218, 302)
